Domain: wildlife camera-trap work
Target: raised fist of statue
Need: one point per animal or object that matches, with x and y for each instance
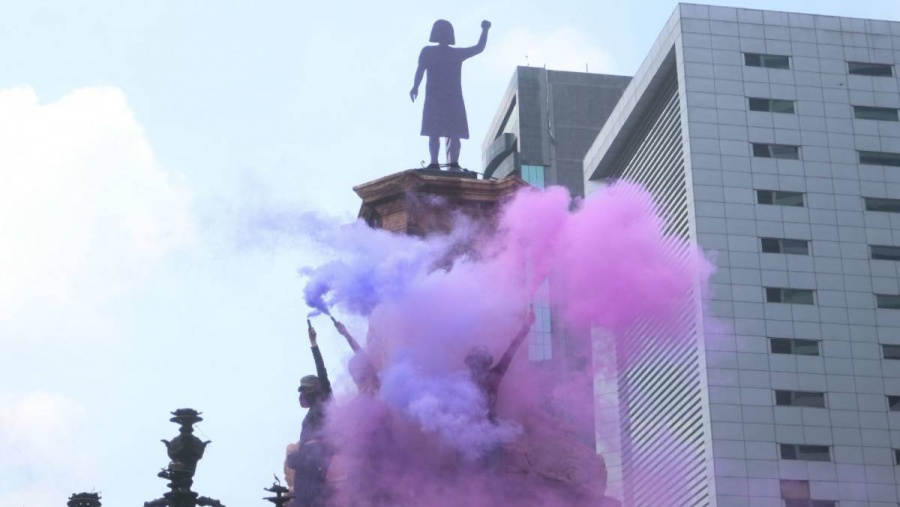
(485, 24)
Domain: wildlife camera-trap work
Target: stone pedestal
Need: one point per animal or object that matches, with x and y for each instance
(420, 201)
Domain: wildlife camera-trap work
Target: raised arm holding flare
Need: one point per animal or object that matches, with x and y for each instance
(310, 460)
(364, 374)
(488, 377)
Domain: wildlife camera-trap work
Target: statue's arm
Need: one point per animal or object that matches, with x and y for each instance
(482, 41)
(420, 73)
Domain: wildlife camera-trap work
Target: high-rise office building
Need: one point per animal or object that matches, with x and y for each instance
(545, 124)
(772, 139)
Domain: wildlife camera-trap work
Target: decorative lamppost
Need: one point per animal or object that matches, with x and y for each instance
(84, 500)
(185, 451)
(282, 494)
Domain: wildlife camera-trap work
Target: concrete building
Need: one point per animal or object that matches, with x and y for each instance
(545, 124)
(773, 139)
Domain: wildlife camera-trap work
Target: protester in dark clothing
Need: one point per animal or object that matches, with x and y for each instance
(311, 459)
(364, 373)
(488, 377)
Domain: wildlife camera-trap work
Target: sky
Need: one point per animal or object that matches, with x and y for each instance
(137, 141)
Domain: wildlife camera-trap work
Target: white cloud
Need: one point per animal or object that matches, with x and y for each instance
(85, 209)
(562, 49)
(43, 457)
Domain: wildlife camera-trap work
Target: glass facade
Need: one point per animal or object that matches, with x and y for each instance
(533, 175)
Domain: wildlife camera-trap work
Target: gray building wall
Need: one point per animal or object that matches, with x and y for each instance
(743, 427)
(550, 119)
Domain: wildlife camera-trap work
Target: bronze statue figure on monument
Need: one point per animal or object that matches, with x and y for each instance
(444, 113)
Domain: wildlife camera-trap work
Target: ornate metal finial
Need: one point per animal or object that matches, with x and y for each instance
(185, 451)
(282, 496)
(84, 500)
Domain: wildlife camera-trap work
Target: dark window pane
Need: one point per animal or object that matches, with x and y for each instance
(781, 106)
(875, 113)
(773, 295)
(879, 158)
(781, 346)
(770, 245)
(761, 150)
(813, 453)
(882, 204)
(806, 347)
(822, 503)
(776, 62)
(789, 199)
(897, 456)
(785, 151)
(886, 253)
(782, 398)
(800, 399)
(893, 403)
(890, 351)
(798, 296)
(871, 69)
(888, 301)
(808, 399)
(771, 105)
(768, 61)
(795, 246)
(759, 104)
(765, 197)
(788, 451)
(779, 197)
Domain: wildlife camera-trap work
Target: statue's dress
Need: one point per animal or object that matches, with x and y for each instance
(444, 114)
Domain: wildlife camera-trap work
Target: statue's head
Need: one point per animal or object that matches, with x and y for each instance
(310, 389)
(442, 33)
(479, 360)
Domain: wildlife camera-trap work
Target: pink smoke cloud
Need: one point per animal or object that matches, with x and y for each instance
(425, 439)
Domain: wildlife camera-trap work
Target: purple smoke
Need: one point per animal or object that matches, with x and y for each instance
(425, 439)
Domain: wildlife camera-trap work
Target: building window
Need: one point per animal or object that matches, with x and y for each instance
(794, 346)
(772, 105)
(890, 351)
(806, 502)
(879, 158)
(893, 403)
(805, 452)
(533, 175)
(887, 301)
(799, 399)
(897, 456)
(779, 198)
(767, 61)
(875, 113)
(785, 246)
(871, 69)
(882, 204)
(786, 151)
(885, 253)
(541, 337)
(790, 296)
